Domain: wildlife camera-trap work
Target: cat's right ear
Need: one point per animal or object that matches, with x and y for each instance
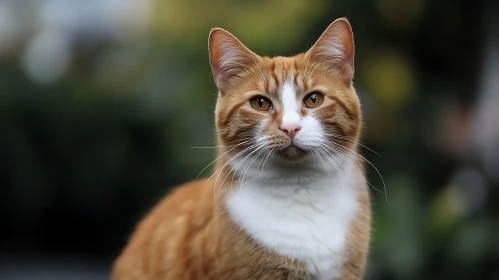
(229, 58)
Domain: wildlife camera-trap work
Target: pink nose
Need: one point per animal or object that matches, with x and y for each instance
(291, 129)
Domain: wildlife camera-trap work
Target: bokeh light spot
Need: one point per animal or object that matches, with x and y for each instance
(389, 77)
(47, 56)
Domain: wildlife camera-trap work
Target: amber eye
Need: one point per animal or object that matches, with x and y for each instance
(261, 103)
(313, 99)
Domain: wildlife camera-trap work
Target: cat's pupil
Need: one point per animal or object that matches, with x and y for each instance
(313, 97)
(260, 102)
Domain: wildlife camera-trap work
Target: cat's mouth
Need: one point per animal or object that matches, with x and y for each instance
(292, 153)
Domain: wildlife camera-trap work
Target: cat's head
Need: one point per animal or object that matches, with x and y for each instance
(293, 108)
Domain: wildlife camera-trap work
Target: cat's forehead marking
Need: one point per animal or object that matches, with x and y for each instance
(281, 70)
(288, 96)
(290, 116)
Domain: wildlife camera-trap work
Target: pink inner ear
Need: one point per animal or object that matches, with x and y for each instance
(228, 57)
(335, 48)
(216, 53)
(336, 41)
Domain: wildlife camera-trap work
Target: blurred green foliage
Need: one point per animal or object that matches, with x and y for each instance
(100, 146)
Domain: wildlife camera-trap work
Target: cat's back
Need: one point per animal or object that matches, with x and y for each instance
(163, 241)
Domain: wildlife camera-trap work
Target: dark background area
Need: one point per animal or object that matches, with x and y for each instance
(102, 102)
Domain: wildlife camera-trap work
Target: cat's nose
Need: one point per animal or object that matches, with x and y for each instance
(291, 129)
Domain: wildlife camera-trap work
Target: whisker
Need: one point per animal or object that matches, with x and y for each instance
(314, 157)
(270, 152)
(335, 165)
(212, 147)
(355, 153)
(233, 170)
(245, 170)
(221, 156)
(222, 146)
(320, 158)
(219, 171)
(262, 160)
(346, 138)
(342, 154)
(232, 158)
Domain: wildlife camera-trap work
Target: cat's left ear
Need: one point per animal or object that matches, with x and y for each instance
(335, 48)
(229, 58)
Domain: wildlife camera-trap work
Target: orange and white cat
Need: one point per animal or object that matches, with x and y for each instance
(288, 198)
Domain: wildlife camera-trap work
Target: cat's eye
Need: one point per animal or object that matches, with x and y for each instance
(313, 99)
(261, 103)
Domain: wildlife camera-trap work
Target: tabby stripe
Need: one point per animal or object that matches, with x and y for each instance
(336, 125)
(345, 108)
(295, 78)
(231, 112)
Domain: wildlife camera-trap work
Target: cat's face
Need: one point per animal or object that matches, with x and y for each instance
(288, 109)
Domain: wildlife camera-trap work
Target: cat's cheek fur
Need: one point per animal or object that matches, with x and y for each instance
(239, 162)
(311, 133)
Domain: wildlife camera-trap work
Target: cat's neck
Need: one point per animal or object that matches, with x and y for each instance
(282, 210)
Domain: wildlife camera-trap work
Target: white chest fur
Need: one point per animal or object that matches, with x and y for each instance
(308, 222)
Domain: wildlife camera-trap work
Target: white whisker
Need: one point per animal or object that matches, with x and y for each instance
(222, 156)
(320, 158)
(335, 166)
(234, 169)
(366, 160)
(219, 171)
(245, 170)
(347, 159)
(269, 153)
(346, 138)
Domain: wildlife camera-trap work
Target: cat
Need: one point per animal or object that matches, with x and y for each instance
(288, 197)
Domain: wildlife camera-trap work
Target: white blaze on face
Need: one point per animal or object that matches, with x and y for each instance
(291, 118)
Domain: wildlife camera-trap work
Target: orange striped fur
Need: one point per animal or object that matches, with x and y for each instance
(192, 233)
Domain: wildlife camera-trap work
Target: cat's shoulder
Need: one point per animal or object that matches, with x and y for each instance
(193, 196)
(183, 204)
(183, 211)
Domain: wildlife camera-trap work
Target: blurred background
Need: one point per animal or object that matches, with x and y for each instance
(101, 102)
